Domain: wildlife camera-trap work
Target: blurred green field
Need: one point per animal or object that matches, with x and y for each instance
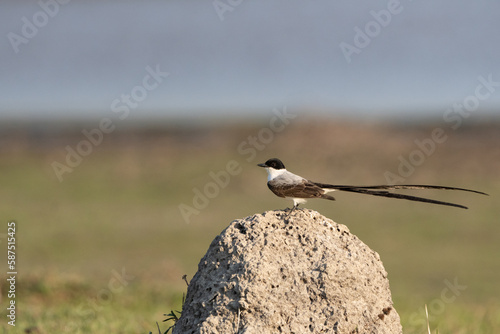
(105, 249)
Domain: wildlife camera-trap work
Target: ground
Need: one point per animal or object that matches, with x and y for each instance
(104, 250)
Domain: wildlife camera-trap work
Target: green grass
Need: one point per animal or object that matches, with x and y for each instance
(118, 211)
(62, 307)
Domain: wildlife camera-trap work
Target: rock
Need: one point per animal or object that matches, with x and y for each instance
(270, 273)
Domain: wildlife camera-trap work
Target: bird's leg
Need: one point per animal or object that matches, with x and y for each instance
(295, 205)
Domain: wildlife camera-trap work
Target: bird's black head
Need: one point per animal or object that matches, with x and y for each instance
(273, 163)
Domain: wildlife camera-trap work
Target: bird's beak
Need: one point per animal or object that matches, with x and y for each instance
(262, 165)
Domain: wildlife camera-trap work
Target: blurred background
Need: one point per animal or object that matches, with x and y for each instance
(130, 133)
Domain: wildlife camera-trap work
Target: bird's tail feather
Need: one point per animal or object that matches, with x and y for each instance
(380, 190)
(331, 198)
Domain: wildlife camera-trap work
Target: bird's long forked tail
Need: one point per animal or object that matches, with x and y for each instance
(381, 190)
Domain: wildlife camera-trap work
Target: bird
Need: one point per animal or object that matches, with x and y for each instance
(288, 185)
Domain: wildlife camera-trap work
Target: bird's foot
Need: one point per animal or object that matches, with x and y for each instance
(291, 210)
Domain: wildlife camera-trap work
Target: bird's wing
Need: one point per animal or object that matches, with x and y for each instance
(302, 189)
(380, 190)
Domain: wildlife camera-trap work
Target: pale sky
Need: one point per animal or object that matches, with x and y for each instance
(78, 58)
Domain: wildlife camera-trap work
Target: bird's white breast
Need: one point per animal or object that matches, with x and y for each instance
(274, 173)
(283, 176)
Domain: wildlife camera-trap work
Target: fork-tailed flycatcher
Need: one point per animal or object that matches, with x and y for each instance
(288, 185)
